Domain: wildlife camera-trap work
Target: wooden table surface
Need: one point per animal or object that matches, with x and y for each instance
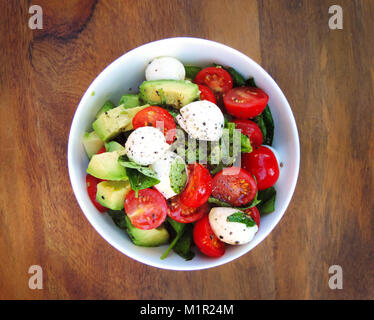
(327, 76)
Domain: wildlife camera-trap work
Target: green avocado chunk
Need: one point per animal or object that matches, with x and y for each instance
(147, 238)
(130, 100)
(108, 105)
(113, 122)
(92, 143)
(105, 166)
(111, 194)
(113, 146)
(176, 93)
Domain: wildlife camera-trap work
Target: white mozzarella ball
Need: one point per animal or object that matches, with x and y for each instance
(230, 232)
(162, 168)
(202, 120)
(165, 68)
(146, 145)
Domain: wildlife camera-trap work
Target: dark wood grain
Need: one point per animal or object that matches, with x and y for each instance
(328, 78)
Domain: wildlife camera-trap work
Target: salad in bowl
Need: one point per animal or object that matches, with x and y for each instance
(185, 162)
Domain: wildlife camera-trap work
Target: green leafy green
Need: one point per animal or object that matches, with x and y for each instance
(192, 71)
(237, 78)
(118, 217)
(185, 242)
(269, 124)
(245, 144)
(221, 203)
(178, 175)
(251, 82)
(267, 198)
(140, 177)
(179, 228)
(241, 217)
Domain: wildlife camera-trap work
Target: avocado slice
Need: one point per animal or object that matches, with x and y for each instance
(108, 105)
(130, 100)
(113, 122)
(92, 143)
(147, 238)
(114, 146)
(176, 93)
(105, 166)
(111, 194)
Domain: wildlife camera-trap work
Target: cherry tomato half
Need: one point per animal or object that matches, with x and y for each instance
(206, 94)
(102, 150)
(216, 79)
(91, 183)
(156, 116)
(206, 240)
(255, 214)
(263, 164)
(198, 188)
(179, 212)
(234, 186)
(251, 130)
(245, 102)
(148, 210)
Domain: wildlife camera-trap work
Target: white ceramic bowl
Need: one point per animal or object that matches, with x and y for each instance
(125, 75)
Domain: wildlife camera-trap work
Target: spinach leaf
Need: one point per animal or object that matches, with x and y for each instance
(140, 177)
(218, 202)
(178, 175)
(179, 228)
(241, 217)
(184, 244)
(237, 78)
(261, 124)
(118, 217)
(267, 198)
(192, 71)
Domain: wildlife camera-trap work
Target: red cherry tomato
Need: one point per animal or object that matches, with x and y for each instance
(148, 210)
(91, 183)
(179, 212)
(198, 188)
(263, 164)
(206, 240)
(102, 150)
(245, 102)
(156, 116)
(255, 214)
(216, 79)
(251, 130)
(234, 186)
(207, 94)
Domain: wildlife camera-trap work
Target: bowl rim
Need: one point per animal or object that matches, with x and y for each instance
(73, 171)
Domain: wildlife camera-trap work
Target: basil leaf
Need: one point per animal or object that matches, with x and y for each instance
(192, 71)
(221, 203)
(245, 144)
(237, 78)
(241, 217)
(140, 177)
(179, 229)
(261, 124)
(184, 244)
(267, 198)
(251, 82)
(269, 124)
(178, 175)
